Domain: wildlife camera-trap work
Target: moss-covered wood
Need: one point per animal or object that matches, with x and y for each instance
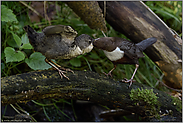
(83, 85)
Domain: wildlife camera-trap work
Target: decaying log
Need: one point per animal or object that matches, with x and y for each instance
(83, 85)
(90, 13)
(138, 22)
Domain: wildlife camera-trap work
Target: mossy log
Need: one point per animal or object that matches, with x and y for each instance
(136, 21)
(89, 12)
(83, 85)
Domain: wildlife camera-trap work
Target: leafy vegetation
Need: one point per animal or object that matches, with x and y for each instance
(177, 103)
(18, 56)
(170, 12)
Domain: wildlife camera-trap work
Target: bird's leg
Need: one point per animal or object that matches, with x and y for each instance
(61, 67)
(131, 80)
(109, 74)
(61, 73)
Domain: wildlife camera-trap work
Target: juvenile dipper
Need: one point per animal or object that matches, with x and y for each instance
(59, 42)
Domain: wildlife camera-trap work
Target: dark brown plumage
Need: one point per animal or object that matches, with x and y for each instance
(122, 51)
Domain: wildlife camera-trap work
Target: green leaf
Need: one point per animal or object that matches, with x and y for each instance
(168, 14)
(75, 62)
(94, 56)
(36, 61)
(11, 42)
(27, 46)
(25, 41)
(80, 56)
(12, 55)
(7, 14)
(17, 39)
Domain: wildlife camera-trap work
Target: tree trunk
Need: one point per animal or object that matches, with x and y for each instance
(138, 22)
(83, 85)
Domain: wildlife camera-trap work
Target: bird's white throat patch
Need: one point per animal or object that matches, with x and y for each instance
(115, 54)
(88, 49)
(77, 51)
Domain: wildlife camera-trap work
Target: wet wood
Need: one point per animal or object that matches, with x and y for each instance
(138, 22)
(83, 85)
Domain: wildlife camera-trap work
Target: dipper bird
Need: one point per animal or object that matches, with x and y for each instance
(122, 51)
(59, 42)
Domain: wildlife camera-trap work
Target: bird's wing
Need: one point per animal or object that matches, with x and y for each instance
(67, 33)
(128, 48)
(57, 29)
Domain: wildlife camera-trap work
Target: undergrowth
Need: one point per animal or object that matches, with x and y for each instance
(18, 56)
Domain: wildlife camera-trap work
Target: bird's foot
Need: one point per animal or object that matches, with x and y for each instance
(60, 69)
(107, 74)
(66, 70)
(61, 73)
(69, 70)
(127, 81)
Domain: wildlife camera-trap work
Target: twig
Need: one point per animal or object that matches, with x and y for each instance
(45, 13)
(104, 34)
(31, 8)
(104, 9)
(167, 85)
(14, 108)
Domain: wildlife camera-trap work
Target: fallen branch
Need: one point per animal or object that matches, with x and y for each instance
(136, 21)
(83, 85)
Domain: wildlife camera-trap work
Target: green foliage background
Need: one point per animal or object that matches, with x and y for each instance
(17, 55)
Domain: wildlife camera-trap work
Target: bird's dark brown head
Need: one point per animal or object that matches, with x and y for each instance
(105, 43)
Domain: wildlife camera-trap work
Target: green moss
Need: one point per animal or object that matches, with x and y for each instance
(144, 95)
(177, 103)
(147, 97)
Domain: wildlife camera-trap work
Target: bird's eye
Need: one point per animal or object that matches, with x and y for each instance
(73, 44)
(90, 41)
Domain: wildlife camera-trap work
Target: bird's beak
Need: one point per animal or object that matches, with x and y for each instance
(96, 39)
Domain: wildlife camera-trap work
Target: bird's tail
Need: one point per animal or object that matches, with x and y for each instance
(146, 43)
(32, 34)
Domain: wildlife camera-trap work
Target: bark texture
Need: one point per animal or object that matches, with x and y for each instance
(138, 22)
(90, 13)
(83, 85)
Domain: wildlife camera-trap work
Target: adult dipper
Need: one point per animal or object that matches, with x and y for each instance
(122, 51)
(59, 42)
